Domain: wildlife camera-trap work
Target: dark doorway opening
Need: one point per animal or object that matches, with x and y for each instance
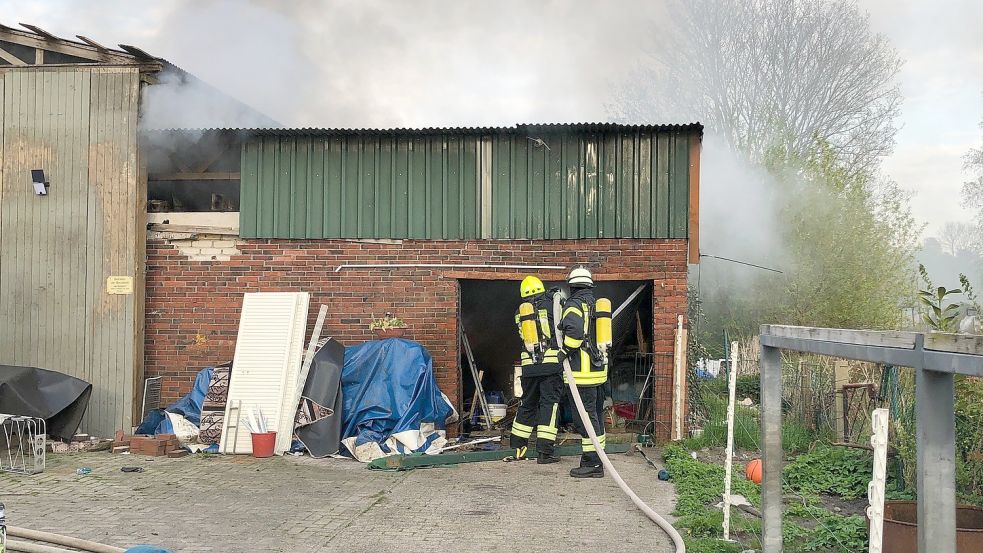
(487, 317)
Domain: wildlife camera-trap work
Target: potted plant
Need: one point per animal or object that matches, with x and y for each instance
(389, 326)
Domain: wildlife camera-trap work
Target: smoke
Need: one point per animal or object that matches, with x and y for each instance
(181, 101)
(428, 63)
(739, 211)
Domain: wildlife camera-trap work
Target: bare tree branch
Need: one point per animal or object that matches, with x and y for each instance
(772, 76)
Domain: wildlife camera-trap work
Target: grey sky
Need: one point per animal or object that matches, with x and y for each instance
(426, 63)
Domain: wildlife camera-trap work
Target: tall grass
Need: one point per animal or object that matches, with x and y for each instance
(796, 436)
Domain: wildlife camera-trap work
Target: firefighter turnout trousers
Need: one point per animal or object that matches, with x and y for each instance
(538, 409)
(593, 398)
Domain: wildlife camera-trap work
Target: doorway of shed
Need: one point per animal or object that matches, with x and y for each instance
(487, 317)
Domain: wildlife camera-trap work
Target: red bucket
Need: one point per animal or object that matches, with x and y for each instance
(263, 443)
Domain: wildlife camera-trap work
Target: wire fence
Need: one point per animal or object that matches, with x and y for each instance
(641, 388)
(829, 400)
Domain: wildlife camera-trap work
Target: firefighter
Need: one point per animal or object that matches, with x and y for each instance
(542, 383)
(588, 366)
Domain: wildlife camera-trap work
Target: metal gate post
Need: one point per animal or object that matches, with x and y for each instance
(936, 436)
(771, 449)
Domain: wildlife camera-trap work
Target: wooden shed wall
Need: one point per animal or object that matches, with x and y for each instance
(79, 125)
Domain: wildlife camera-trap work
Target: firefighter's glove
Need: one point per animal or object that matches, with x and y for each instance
(561, 355)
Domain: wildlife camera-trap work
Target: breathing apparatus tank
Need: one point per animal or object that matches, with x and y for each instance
(530, 334)
(602, 326)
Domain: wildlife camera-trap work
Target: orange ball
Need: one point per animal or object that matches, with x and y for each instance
(753, 471)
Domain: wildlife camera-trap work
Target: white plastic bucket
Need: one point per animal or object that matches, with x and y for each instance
(497, 411)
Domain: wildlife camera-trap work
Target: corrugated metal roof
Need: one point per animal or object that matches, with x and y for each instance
(550, 127)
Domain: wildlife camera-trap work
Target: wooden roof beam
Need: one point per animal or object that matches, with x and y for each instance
(91, 43)
(10, 58)
(136, 52)
(38, 30)
(194, 176)
(64, 47)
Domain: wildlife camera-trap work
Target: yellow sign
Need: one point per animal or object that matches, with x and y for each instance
(119, 285)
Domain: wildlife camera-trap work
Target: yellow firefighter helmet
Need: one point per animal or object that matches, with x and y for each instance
(531, 286)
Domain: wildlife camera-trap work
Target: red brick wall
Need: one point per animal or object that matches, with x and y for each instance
(193, 306)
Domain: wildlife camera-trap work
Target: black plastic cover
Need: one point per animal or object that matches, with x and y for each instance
(57, 398)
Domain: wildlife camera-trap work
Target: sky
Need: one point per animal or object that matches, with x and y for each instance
(372, 63)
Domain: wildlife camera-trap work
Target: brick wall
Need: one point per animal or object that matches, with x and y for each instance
(192, 305)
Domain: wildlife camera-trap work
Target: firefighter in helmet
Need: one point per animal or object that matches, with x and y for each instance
(542, 383)
(588, 364)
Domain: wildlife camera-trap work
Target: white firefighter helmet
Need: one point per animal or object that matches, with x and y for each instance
(580, 276)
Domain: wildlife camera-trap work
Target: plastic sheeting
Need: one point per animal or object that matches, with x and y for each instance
(392, 404)
(319, 418)
(188, 407)
(57, 398)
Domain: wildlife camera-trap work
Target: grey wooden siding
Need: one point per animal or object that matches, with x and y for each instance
(56, 252)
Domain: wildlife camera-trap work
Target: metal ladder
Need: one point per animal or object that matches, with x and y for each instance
(477, 381)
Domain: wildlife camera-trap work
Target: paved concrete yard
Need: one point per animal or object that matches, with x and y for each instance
(233, 504)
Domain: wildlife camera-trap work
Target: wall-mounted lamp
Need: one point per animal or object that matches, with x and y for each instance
(40, 184)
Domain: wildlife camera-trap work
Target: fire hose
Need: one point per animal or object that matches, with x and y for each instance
(48, 537)
(677, 540)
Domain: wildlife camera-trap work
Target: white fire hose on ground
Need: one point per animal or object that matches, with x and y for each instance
(677, 540)
(57, 539)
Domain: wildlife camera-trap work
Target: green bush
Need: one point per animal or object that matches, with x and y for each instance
(698, 484)
(834, 470)
(749, 386)
(846, 534)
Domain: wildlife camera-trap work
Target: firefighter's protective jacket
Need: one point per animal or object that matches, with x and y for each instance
(547, 361)
(577, 325)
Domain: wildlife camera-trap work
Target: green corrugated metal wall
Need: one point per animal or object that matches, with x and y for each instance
(583, 184)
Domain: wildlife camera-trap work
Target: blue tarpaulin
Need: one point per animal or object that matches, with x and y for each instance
(188, 407)
(391, 400)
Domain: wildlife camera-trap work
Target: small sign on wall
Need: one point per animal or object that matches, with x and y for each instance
(119, 285)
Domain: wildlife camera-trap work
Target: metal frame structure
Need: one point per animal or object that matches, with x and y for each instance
(936, 359)
(22, 443)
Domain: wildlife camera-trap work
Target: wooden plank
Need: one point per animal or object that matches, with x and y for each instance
(138, 210)
(114, 232)
(954, 343)
(229, 176)
(694, 199)
(39, 31)
(10, 58)
(3, 162)
(91, 42)
(677, 381)
(841, 377)
(193, 229)
(891, 339)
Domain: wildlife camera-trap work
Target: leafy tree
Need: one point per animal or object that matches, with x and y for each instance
(852, 247)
